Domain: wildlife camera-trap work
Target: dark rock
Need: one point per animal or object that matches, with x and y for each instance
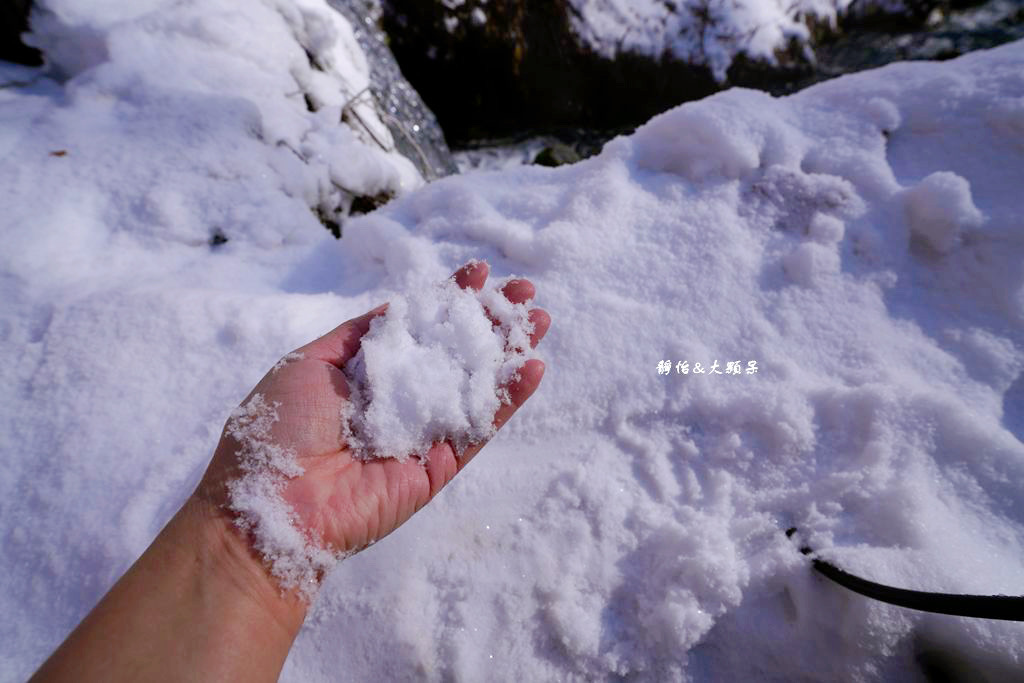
(523, 71)
(366, 204)
(903, 15)
(330, 220)
(558, 154)
(217, 238)
(14, 22)
(964, 27)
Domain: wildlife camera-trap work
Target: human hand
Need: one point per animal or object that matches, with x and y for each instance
(339, 500)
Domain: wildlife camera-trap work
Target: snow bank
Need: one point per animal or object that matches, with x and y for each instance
(627, 522)
(263, 93)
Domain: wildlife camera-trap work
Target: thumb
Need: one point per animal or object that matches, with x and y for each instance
(340, 344)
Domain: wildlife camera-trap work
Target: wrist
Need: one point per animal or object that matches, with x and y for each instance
(197, 605)
(228, 561)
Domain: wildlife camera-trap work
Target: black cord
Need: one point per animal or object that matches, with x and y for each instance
(1005, 607)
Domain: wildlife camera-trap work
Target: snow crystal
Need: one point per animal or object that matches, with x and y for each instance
(433, 368)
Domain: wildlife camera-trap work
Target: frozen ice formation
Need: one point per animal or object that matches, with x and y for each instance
(433, 367)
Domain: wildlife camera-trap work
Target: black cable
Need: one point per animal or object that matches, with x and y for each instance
(1005, 607)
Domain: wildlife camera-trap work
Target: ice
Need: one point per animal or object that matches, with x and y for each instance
(623, 523)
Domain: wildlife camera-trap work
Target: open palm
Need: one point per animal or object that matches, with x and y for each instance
(342, 500)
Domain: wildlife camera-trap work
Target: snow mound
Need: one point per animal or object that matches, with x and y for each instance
(433, 368)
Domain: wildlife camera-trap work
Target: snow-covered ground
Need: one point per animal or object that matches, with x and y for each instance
(861, 243)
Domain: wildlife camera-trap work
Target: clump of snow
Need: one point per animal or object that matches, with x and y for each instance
(292, 556)
(883, 113)
(940, 208)
(826, 229)
(625, 523)
(434, 368)
(698, 143)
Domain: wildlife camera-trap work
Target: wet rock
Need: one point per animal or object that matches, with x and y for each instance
(558, 154)
(960, 28)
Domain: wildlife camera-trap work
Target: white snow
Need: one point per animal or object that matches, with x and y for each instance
(712, 32)
(433, 368)
(295, 559)
(625, 522)
(940, 209)
(241, 80)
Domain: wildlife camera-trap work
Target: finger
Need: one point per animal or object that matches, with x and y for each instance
(472, 275)
(441, 466)
(340, 344)
(519, 291)
(519, 390)
(541, 321)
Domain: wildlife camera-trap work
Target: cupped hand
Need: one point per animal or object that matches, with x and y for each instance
(340, 500)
